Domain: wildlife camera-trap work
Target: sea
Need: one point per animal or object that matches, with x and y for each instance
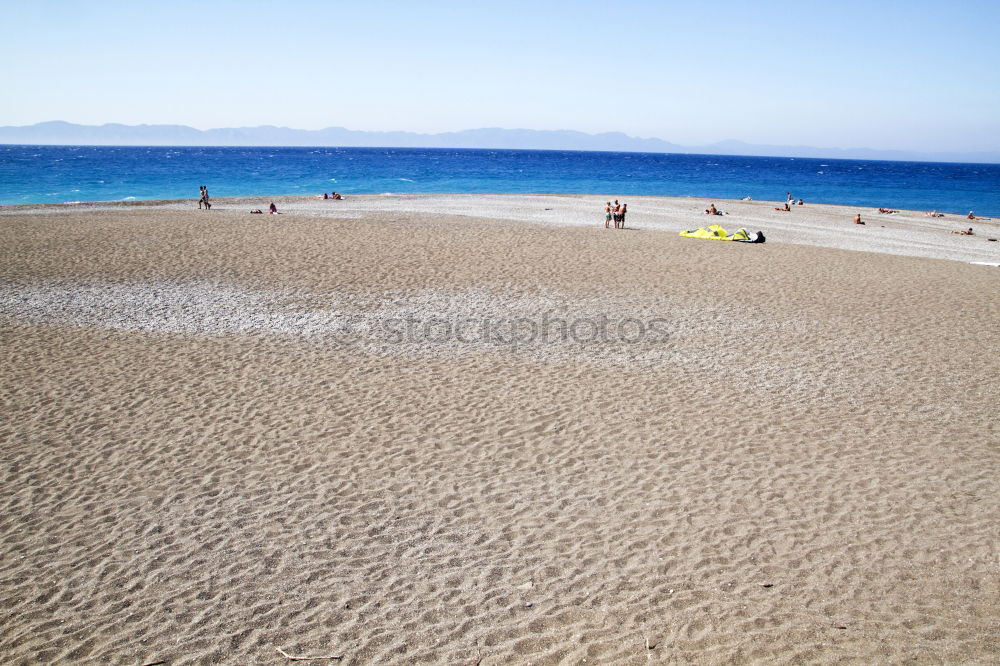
(73, 174)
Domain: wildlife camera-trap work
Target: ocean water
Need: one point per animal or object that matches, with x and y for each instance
(61, 174)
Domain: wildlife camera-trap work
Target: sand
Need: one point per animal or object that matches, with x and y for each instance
(907, 233)
(485, 430)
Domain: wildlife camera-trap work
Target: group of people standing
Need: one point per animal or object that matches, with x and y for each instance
(616, 213)
(204, 198)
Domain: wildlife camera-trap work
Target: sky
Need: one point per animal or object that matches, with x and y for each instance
(905, 75)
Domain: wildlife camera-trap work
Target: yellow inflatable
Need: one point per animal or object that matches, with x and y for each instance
(715, 232)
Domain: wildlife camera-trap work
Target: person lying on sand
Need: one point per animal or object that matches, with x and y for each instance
(966, 232)
(257, 211)
(934, 213)
(785, 209)
(887, 211)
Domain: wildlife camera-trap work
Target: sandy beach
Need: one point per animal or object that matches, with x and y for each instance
(485, 430)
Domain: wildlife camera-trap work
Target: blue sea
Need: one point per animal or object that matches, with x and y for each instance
(65, 174)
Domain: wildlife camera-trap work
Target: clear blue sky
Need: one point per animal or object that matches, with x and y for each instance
(887, 74)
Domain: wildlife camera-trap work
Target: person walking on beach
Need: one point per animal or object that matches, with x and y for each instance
(204, 198)
(607, 214)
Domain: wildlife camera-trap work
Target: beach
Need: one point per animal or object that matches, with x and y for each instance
(483, 429)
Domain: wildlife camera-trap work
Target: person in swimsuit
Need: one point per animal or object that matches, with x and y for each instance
(607, 215)
(621, 215)
(616, 213)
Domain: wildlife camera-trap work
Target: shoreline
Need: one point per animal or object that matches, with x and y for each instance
(906, 233)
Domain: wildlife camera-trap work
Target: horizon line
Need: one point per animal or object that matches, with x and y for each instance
(717, 148)
(512, 150)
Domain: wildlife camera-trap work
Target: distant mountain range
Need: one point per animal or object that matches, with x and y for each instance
(57, 132)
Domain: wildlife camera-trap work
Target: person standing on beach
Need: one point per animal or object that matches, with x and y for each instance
(621, 215)
(201, 199)
(607, 214)
(616, 213)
